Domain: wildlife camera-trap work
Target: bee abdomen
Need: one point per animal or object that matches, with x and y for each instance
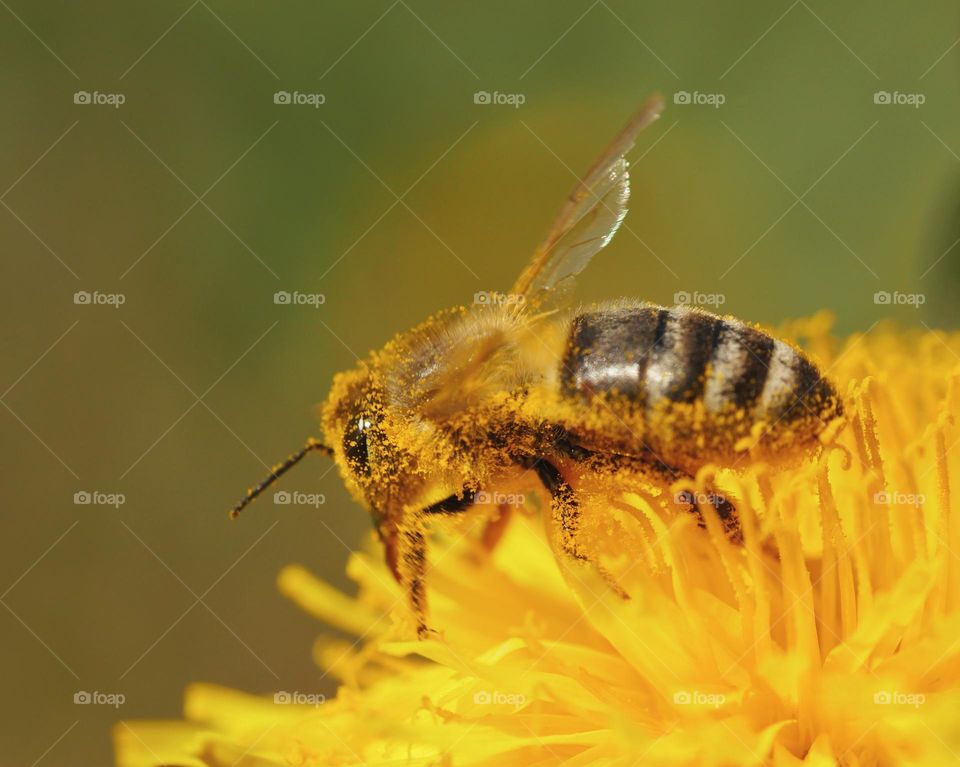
(608, 352)
(739, 368)
(795, 389)
(655, 357)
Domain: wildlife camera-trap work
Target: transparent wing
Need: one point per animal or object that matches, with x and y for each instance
(590, 216)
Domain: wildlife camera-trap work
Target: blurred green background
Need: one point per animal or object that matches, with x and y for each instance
(798, 192)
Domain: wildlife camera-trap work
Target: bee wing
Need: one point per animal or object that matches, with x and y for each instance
(589, 217)
(471, 370)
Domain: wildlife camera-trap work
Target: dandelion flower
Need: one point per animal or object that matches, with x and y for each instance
(830, 635)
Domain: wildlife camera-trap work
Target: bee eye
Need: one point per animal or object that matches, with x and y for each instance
(355, 444)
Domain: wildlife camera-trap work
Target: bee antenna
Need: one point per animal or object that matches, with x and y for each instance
(278, 471)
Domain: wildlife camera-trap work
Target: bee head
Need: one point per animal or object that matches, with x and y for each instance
(377, 448)
(383, 450)
(392, 458)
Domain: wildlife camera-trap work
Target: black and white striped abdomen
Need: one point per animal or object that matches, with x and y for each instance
(690, 365)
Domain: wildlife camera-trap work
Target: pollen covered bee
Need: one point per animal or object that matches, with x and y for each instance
(476, 396)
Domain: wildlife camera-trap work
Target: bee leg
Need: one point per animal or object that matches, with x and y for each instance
(388, 537)
(566, 520)
(412, 564)
(495, 528)
(724, 508)
(667, 475)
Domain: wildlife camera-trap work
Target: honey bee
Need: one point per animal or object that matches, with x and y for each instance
(517, 383)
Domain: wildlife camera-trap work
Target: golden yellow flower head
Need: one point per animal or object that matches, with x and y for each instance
(830, 636)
